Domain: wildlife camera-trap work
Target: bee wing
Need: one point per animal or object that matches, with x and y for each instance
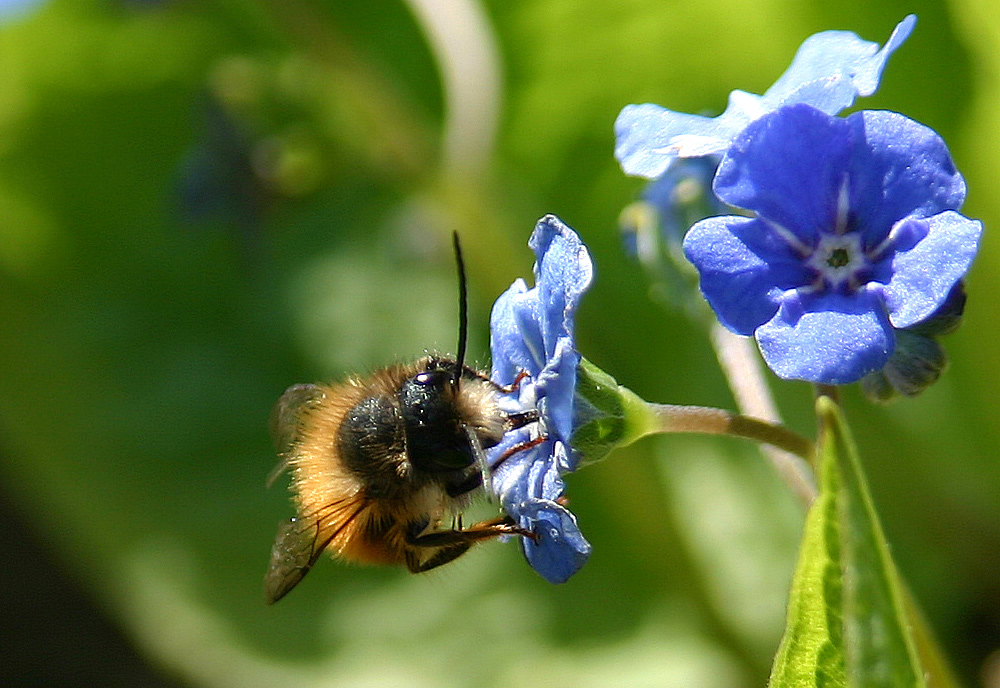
(300, 542)
(285, 422)
(294, 552)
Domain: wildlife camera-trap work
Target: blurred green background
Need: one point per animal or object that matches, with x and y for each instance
(203, 202)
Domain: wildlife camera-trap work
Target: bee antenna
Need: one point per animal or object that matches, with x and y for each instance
(463, 311)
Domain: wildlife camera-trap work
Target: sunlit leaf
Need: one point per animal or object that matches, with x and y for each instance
(851, 622)
(812, 649)
(879, 648)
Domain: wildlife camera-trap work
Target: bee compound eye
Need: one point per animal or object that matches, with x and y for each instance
(432, 378)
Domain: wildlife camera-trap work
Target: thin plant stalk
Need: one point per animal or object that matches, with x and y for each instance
(741, 366)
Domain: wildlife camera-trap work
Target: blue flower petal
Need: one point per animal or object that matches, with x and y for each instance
(829, 71)
(563, 272)
(788, 167)
(899, 168)
(924, 276)
(561, 548)
(516, 340)
(830, 339)
(745, 268)
(516, 479)
(649, 137)
(532, 335)
(840, 56)
(526, 325)
(558, 382)
(528, 493)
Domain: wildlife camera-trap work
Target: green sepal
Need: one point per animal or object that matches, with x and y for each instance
(606, 414)
(851, 621)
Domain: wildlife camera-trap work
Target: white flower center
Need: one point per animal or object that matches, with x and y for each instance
(838, 258)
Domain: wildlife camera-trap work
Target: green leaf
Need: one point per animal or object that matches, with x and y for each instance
(811, 652)
(851, 621)
(879, 648)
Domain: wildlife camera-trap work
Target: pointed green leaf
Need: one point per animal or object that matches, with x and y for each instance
(811, 651)
(879, 648)
(850, 620)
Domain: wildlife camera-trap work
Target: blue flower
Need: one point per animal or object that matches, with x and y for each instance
(829, 71)
(684, 195)
(16, 9)
(855, 233)
(534, 356)
(653, 227)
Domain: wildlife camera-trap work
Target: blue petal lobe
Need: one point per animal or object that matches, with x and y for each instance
(510, 479)
(744, 269)
(563, 272)
(555, 385)
(829, 71)
(530, 474)
(528, 496)
(847, 64)
(515, 338)
(788, 167)
(868, 72)
(923, 276)
(561, 548)
(649, 137)
(899, 167)
(830, 339)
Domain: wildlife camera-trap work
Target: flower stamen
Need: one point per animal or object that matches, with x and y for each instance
(838, 258)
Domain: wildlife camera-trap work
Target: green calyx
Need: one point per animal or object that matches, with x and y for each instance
(606, 414)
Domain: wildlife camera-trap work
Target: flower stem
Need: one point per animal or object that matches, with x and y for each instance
(713, 421)
(742, 369)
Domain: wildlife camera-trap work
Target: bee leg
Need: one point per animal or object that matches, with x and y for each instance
(519, 420)
(473, 373)
(502, 525)
(454, 543)
(518, 448)
(514, 385)
(441, 557)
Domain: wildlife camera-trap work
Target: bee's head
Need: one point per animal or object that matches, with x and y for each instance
(436, 440)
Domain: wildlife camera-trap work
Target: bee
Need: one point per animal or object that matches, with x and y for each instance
(380, 464)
